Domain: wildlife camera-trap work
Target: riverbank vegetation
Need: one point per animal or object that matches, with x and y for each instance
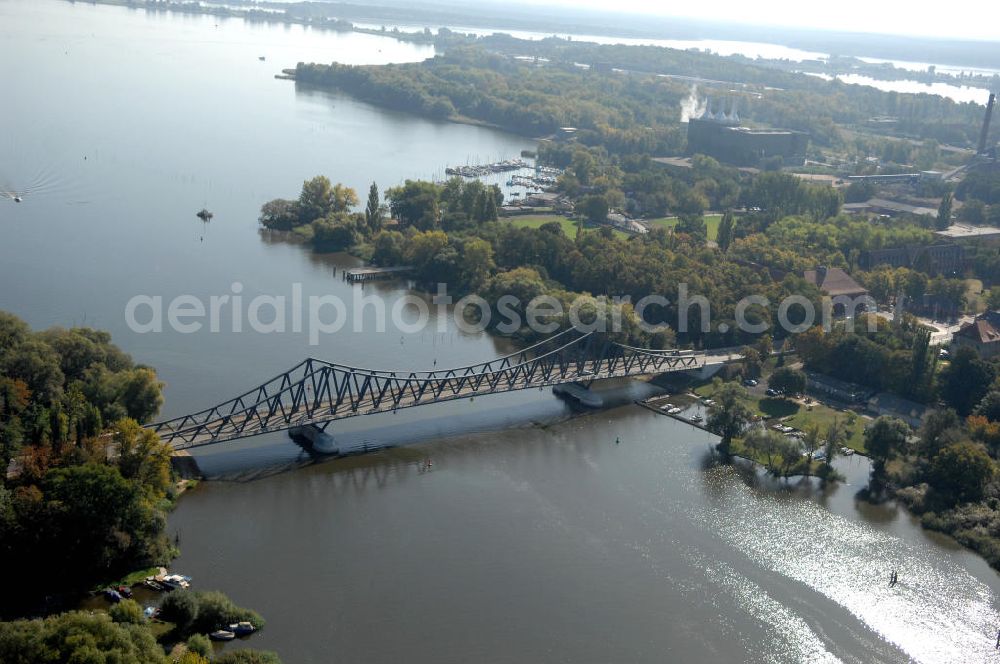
(83, 502)
(81, 475)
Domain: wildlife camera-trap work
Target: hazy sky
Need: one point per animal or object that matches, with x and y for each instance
(965, 19)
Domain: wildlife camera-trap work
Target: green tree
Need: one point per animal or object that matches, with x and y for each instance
(727, 230)
(320, 198)
(181, 608)
(416, 204)
(280, 214)
(962, 471)
(373, 211)
(593, 208)
(752, 364)
(779, 453)
(940, 428)
(966, 380)
(127, 611)
(884, 439)
(694, 226)
(730, 415)
(835, 436)
(788, 380)
(77, 637)
(200, 645)
(478, 262)
(142, 456)
(944, 213)
(989, 406)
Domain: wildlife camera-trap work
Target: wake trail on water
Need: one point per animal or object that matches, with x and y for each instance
(50, 179)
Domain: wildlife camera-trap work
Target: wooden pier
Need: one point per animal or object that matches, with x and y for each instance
(374, 273)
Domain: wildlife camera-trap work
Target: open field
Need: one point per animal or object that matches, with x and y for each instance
(568, 225)
(711, 221)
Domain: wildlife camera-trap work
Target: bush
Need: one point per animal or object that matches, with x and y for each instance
(216, 611)
(181, 608)
(200, 644)
(128, 612)
(204, 612)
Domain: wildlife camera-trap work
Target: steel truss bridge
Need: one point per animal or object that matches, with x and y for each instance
(316, 392)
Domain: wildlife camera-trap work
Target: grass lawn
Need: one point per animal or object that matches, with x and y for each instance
(711, 221)
(568, 225)
(802, 417)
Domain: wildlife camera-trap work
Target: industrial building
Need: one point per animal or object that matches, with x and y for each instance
(721, 136)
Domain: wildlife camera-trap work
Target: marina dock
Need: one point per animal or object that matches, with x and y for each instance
(375, 273)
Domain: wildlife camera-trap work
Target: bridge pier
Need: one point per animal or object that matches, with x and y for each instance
(579, 394)
(315, 438)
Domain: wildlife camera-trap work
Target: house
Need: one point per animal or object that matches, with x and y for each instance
(973, 234)
(838, 284)
(936, 259)
(542, 199)
(623, 223)
(834, 282)
(896, 208)
(981, 335)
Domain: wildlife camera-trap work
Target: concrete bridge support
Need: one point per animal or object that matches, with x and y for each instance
(315, 438)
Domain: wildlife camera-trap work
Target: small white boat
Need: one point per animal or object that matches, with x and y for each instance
(222, 635)
(846, 451)
(696, 418)
(674, 410)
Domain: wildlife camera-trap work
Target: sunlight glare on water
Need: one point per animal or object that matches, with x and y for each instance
(928, 614)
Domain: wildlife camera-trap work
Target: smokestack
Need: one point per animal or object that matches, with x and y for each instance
(983, 137)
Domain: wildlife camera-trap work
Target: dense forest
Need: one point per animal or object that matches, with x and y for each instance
(83, 503)
(628, 98)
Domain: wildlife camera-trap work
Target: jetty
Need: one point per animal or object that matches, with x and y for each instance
(375, 273)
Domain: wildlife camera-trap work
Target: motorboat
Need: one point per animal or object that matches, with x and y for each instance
(174, 581)
(222, 635)
(242, 628)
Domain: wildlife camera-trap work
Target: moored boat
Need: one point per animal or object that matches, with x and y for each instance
(222, 635)
(242, 628)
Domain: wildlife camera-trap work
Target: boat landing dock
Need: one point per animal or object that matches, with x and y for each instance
(373, 273)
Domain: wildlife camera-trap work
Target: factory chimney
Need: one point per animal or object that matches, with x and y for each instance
(983, 137)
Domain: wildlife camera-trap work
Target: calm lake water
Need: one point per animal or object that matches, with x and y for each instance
(530, 537)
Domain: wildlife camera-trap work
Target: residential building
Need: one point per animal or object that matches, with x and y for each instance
(981, 335)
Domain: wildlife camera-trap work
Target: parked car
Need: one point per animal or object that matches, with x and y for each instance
(750, 382)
